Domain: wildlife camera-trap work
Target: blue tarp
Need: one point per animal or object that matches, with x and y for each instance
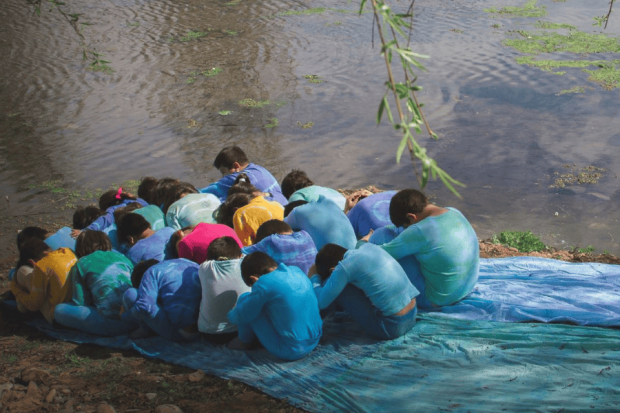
(444, 363)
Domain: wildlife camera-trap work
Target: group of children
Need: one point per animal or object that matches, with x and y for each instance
(246, 261)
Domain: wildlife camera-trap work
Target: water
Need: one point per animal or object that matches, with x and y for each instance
(503, 130)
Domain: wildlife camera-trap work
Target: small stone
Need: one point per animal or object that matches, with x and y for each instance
(50, 397)
(65, 391)
(88, 399)
(196, 376)
(35, 374)
(168, 408)
(59, 400)
(151, 396)
(33, 391)
(105, 408)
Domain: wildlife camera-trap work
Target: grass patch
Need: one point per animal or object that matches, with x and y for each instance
(576, 89)
(224, 112)
(273, 124)
(307, 125)
(548, 25)
(524, 241)
(608, 74)
(577, 176)
(313, 78)
(306, 12)
(529, 9)
(251, 103)
(212, 72)
(232, 3)
(230, 32)
(574, 42)
(456, 30)
(191, 35)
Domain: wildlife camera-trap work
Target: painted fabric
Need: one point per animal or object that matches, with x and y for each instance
(446, 248)
(371, 212)
(312, 193)
(191, 210)
(171, 286)
(194, 245)
(45, 287)
(259, 177)
(221, 285)
(294, 250)
(325, 222)
(61, 239)
(249, 218)
(107, 219)
(154, 215)
(99, 280)
(154, 247)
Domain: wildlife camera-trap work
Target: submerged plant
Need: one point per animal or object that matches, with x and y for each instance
(191, 35)
(573, 42)
(529, 9)
(307, 125)
(313, 78)
(549, 25)
(273, 124)
(251, 103)
(524, 241)
(212, 72)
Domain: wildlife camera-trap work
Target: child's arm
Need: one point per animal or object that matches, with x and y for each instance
(407, 243)
(80, 295)
(32, 296)
(102, 222)
(249, 305)
(291, 219)
(331, 288)
(221, 187)
(146, 303)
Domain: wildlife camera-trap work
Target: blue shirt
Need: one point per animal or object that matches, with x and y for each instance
(371, 213)
(312, 193)
(259, 177)
(174, 286)
(325, 222)
(107, 219)
(295, 249)
(153, 247)
(373, 271)
(61, 239)
(447, 249)
(287, 297)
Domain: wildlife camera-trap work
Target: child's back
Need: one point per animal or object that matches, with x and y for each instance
(194, 245)
(191, 210)
(249, 218)
(154, 247)
(154, 215)
(312, 193)
(295, 249)
(371, 213)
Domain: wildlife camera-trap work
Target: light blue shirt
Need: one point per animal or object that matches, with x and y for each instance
(373, 271)
(191, 210)
(312, 193)
(325, 222)
(447, 249)
(61, 239)
(154, 215)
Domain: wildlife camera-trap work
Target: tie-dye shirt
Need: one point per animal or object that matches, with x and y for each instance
(371, 213)
(100, 279)
(447, 249)
(297, 249)
(191, 210)
(312, 193)
(154, 215)
(249, 218)
(154, 247)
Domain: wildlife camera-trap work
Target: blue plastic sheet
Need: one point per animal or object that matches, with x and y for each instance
(443, 364)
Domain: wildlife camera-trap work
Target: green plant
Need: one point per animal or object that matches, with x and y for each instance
(191, 35)
(598, 21)
(251, 103)
(529, 9)
(212, 72)
(586, 250)
(313, 78)
(524, 241)
(224, 112)
(273, 124)
(394, 30)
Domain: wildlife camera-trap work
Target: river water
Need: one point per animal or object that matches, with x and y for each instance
(503, 129)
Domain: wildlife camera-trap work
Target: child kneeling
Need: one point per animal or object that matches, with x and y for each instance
(281, 310)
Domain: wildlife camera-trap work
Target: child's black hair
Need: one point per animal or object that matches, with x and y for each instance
(33, 249)
(30, 232)
(407, 201)
(273, 226)
(294, 181)
(84, 216)
(256, 264)
(174, 239)
(292, 205)
(242, 185)
(177, 192)
(160, 192)
(228, 156)
(131, 225)
(226, 211)
(328, 257)
(119, 212)
(223, 248)
(90, 241)
(112, 197)
(146, 188)
(139, 270)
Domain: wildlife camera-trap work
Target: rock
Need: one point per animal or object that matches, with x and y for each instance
(59, 400)
(196, 376)
(105, 408)
(33, 391)
(50, 397)
(151, 396)
(65, 391)
(88, 399)
(36, 375)
(68, 408)
(6, 387)
(168, 408)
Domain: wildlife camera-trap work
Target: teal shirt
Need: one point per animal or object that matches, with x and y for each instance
(312, 193)
(446, 246)
(100, 280)
(154, 215)
(191, 210)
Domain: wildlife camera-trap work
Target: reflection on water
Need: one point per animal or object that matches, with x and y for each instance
(503, 129)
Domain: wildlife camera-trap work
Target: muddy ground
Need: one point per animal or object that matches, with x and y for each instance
(41, 374)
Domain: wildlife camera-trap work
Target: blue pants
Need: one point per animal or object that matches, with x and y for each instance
(414, 273)
(89, 320)
(159, 323)
(358, 306)
(281, 347)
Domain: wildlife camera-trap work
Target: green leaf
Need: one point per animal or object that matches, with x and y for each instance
(402, 90)
(401, 148)
(389, 112)
(388, 46)
(381, 107)
(38, 10)
(362, 4)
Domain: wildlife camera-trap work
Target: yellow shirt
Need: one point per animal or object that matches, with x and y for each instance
(45, 287)
(247, 219)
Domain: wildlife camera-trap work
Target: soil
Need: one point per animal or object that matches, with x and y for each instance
(41, 374)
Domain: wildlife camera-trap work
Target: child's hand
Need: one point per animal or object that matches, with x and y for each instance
(354, 198)
(122, 310)
(367, 236)
(75, 233)
(312, 271)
